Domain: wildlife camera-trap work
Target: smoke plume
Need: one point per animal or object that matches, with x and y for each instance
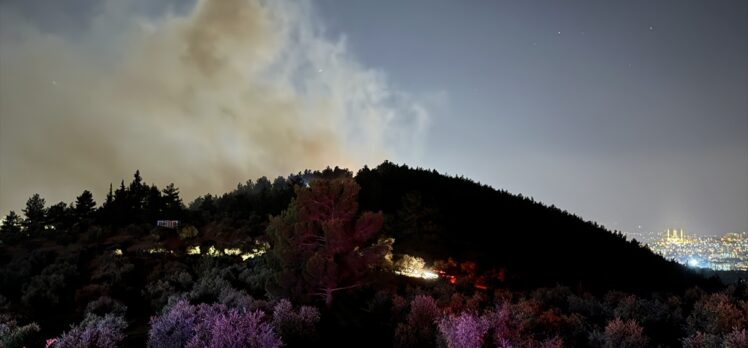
(207, 97)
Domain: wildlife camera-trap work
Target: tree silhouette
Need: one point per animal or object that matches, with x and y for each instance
(320, 242)
(10, 230)
(59, 216)
(35, 213)
(84, 205)
(172, 202)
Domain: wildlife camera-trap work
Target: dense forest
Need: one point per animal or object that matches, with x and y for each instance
(390, 256)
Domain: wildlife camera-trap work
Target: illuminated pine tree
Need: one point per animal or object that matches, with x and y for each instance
(321, 245)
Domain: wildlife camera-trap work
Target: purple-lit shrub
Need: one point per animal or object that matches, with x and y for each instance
(419, 328)
(716, 314)
(173, 328)
(701, 340)
(620, 334)
(235, 328)
(94, 332)
(186, 325)
(736, 339)
(503, 327)
(463, 331)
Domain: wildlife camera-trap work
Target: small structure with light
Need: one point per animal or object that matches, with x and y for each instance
(173, 224)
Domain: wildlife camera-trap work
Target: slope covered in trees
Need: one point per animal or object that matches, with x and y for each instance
(437, 217)
(323, 258)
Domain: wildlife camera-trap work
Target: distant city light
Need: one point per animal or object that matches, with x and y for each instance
(728, 252)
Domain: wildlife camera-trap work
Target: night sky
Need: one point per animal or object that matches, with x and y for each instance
(630, 113)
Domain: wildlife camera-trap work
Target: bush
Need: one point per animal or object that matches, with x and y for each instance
(186, 325)
(736, 339)
(173, 328)
(701, 340)
(94, 332)
(112, 270)
(419, 328)
(463, 331)
(504, 330)
(620, 334)
(50, 288)
(105, 305)
(14, 336)
(235, 328)
(715, 314)
(166, 280)
(295, 327)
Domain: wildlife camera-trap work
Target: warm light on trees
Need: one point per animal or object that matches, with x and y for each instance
(321, 244)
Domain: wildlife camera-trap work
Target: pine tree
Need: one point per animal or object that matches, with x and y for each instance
(109, 196)
(154, 204)
(11, 225)
(321, 245)
(35, 213)
(59, 216)
(137, 193)
(172, 202)
(84, 204)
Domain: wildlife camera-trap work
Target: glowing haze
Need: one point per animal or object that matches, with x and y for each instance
(205, 97)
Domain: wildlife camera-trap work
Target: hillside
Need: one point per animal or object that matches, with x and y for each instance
(296, 261)
(437, 216)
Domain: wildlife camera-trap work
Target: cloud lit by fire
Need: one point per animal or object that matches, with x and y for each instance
(227, 91)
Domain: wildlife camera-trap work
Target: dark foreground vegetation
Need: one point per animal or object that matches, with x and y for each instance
(318, 259)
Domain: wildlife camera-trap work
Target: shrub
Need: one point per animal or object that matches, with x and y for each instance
(503, 329)
(174, 327)
(112, 270)
(295, 326)
(419, 328)
(463, 331)
(44, 290)
(620, 334)
(104, 305)
(186, 325)
(94, 332)
(715, 314)
(736, 339)
(701, 340)
(12, 335)
(235, 328)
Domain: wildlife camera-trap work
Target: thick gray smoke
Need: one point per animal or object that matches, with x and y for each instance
(226, 91)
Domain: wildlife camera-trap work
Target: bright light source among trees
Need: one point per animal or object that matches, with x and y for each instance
(414, 267)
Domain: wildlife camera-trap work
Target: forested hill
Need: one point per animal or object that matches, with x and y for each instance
(430, 215)
(270, 246)
(436, 216)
